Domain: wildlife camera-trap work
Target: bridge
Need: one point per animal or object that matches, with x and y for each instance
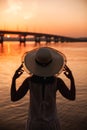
(33, 36)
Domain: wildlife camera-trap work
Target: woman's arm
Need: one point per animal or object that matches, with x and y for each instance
(67, 93)
(18, 94)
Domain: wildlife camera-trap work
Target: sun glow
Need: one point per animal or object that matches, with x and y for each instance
(8, 36)
(64, 17)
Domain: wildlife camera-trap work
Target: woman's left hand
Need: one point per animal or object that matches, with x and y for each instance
(68, 72)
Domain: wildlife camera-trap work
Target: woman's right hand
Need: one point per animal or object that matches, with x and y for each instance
(18, 72)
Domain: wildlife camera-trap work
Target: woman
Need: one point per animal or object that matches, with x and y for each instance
(43, 64)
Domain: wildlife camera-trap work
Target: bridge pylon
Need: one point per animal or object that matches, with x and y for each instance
(37, 40)
(22, 39)
(1, 39)
(48, 39)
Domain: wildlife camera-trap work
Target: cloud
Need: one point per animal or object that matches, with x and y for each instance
(26, 17)
(14, 7)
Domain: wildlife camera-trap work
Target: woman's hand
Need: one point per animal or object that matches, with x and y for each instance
(18, 72)
(68, 72)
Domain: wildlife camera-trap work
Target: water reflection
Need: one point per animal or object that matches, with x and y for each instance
(13, 116)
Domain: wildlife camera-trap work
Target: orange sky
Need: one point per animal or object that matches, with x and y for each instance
(62, 17)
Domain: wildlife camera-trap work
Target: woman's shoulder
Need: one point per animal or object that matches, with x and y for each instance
(60, 83)
(35, 78)
(39, 79)
(27, 79)
(58, 79)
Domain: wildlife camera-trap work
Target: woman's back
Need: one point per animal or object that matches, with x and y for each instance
(43, 98)
(43, 113)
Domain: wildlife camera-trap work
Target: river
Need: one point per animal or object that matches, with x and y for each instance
(72, 114)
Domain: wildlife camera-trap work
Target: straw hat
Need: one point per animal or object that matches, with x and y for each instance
(44, 61)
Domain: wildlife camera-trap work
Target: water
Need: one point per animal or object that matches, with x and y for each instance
(72, 114)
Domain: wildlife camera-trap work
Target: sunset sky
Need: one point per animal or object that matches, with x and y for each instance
(62, 17)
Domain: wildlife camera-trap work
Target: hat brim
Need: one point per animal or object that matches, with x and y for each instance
(55, 67)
